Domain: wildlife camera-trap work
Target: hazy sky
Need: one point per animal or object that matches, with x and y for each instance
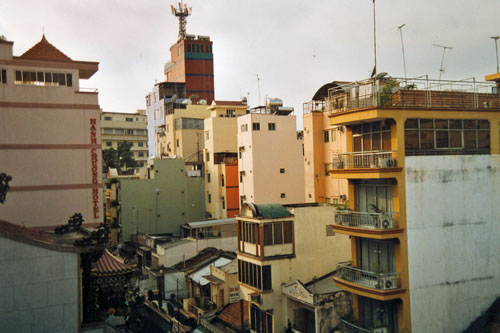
(294, 46)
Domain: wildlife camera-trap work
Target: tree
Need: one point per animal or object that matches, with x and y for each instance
(119, 158)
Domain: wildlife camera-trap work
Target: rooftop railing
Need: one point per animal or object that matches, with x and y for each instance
(348, 327)
(366, 220)
(419, 92)
(369, 159)
(380, 281)
(314, 106)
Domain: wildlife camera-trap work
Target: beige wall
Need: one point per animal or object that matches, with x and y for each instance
(320, 187)
(316, 255)
(47, 147)
(265, 153)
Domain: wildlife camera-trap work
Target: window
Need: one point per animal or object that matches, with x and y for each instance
(141, 154)
(208, 178)
(282, 170)
(119, 131)
(207, 135)
(129, 119)
(130, 132)
(209, 198)
(107, 131)
(188, 123)
(254, 275)
(244, 128)
(333, 135)
(283, 195)
(177, 143)
(223, 203)
(230, 113)
(278, 233)
(243, 198)
(109, 144)
(374, 136)
(249, 232)
(207, 156)
(108, 118)
(447, 136)
(140, 144)
(3, 76)
(271, 126)
(260, 321)
(256, 126)
(222, 180)
(326, 138)
(140, 132)
(241, 176)
(43, 78)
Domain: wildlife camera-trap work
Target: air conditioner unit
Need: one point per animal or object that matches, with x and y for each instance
(380, 330)
(385, 221)
(387, 163)
(388, 283)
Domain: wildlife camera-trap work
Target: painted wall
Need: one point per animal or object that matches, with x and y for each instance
(38, 289)
(453, 236)
(180, 200)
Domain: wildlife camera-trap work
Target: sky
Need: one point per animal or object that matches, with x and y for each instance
(294, 46)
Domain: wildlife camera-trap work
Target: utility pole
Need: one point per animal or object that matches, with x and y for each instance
(496, 49)
(400, 28)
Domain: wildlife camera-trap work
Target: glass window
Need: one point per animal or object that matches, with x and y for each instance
(271, 126)
(256, 126)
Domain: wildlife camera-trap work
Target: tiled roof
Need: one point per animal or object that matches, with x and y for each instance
(232, 314)
(43, 50)
(108, 265)
(203, 255)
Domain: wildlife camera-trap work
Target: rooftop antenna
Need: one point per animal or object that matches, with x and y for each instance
(258, 86)
(441, 70)
(496, 49)
(374, 41)
(182, 13)
(400, 28)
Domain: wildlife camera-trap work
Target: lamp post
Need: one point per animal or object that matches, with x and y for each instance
(157, 191)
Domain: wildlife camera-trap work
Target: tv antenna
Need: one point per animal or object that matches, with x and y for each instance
(441, 69)
(258, 86)
(400, 28)
(496, 49)
(182, 12)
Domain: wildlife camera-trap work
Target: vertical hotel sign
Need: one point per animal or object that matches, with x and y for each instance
(95, 174)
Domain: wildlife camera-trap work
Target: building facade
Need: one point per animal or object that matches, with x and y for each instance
(278, 245)
(270, 157)
(422, 170)
(321, 140)
(221, 159)
(132, 128)
(50, 138)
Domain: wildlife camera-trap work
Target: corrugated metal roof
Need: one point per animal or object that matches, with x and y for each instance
(205, 270)
(211, 223)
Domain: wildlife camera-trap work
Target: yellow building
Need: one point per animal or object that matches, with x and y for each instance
(119, 127)
(270, 152)
(50, 138)
(221, 159)
(421, 164)
(277, 246)
(321, 140)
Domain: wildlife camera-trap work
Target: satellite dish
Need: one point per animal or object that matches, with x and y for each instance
(381, 75)
(187, 101)
(194, 97)
(202, 102)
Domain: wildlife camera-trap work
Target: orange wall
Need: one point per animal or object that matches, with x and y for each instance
(232, 190)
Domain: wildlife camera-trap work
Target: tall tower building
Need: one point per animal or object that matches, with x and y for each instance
(191, 60)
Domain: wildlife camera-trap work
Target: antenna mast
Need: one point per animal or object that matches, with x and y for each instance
(400, 28)
(441, 69)
(258, 86)
(496, 49)
(374, 41)
(182, 12)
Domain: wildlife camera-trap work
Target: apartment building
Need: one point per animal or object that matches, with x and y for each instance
(321, 140)
(277, 246)
(221, 159)
(270, 156)
(119, 127)
(422, 166)
(50, 137)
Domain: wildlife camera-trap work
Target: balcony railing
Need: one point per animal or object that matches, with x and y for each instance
(348, 327)
(419, 92)
(370, 159)
(380, 281)
(366, 220)
(313, 106)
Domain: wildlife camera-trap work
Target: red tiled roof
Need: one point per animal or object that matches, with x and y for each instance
(232, 314)
(43, 50)
(108, 265)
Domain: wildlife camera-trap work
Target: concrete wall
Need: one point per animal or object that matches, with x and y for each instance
(39, 289)
(453, 236)
(180, 200)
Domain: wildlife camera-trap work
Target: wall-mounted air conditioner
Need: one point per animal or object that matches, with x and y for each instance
(387, 163)
(385, 221)
(388, 283)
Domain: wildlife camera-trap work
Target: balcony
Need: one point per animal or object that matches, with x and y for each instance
(369, 225)
(313, 106)
(360, 160)
(420, 92)
(381, 286)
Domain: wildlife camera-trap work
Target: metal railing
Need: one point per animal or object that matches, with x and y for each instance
(313, 106)
(380, 281)
(415, 92)
(348, 327)
(88, 90)
(370, 159)
(367, 220)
